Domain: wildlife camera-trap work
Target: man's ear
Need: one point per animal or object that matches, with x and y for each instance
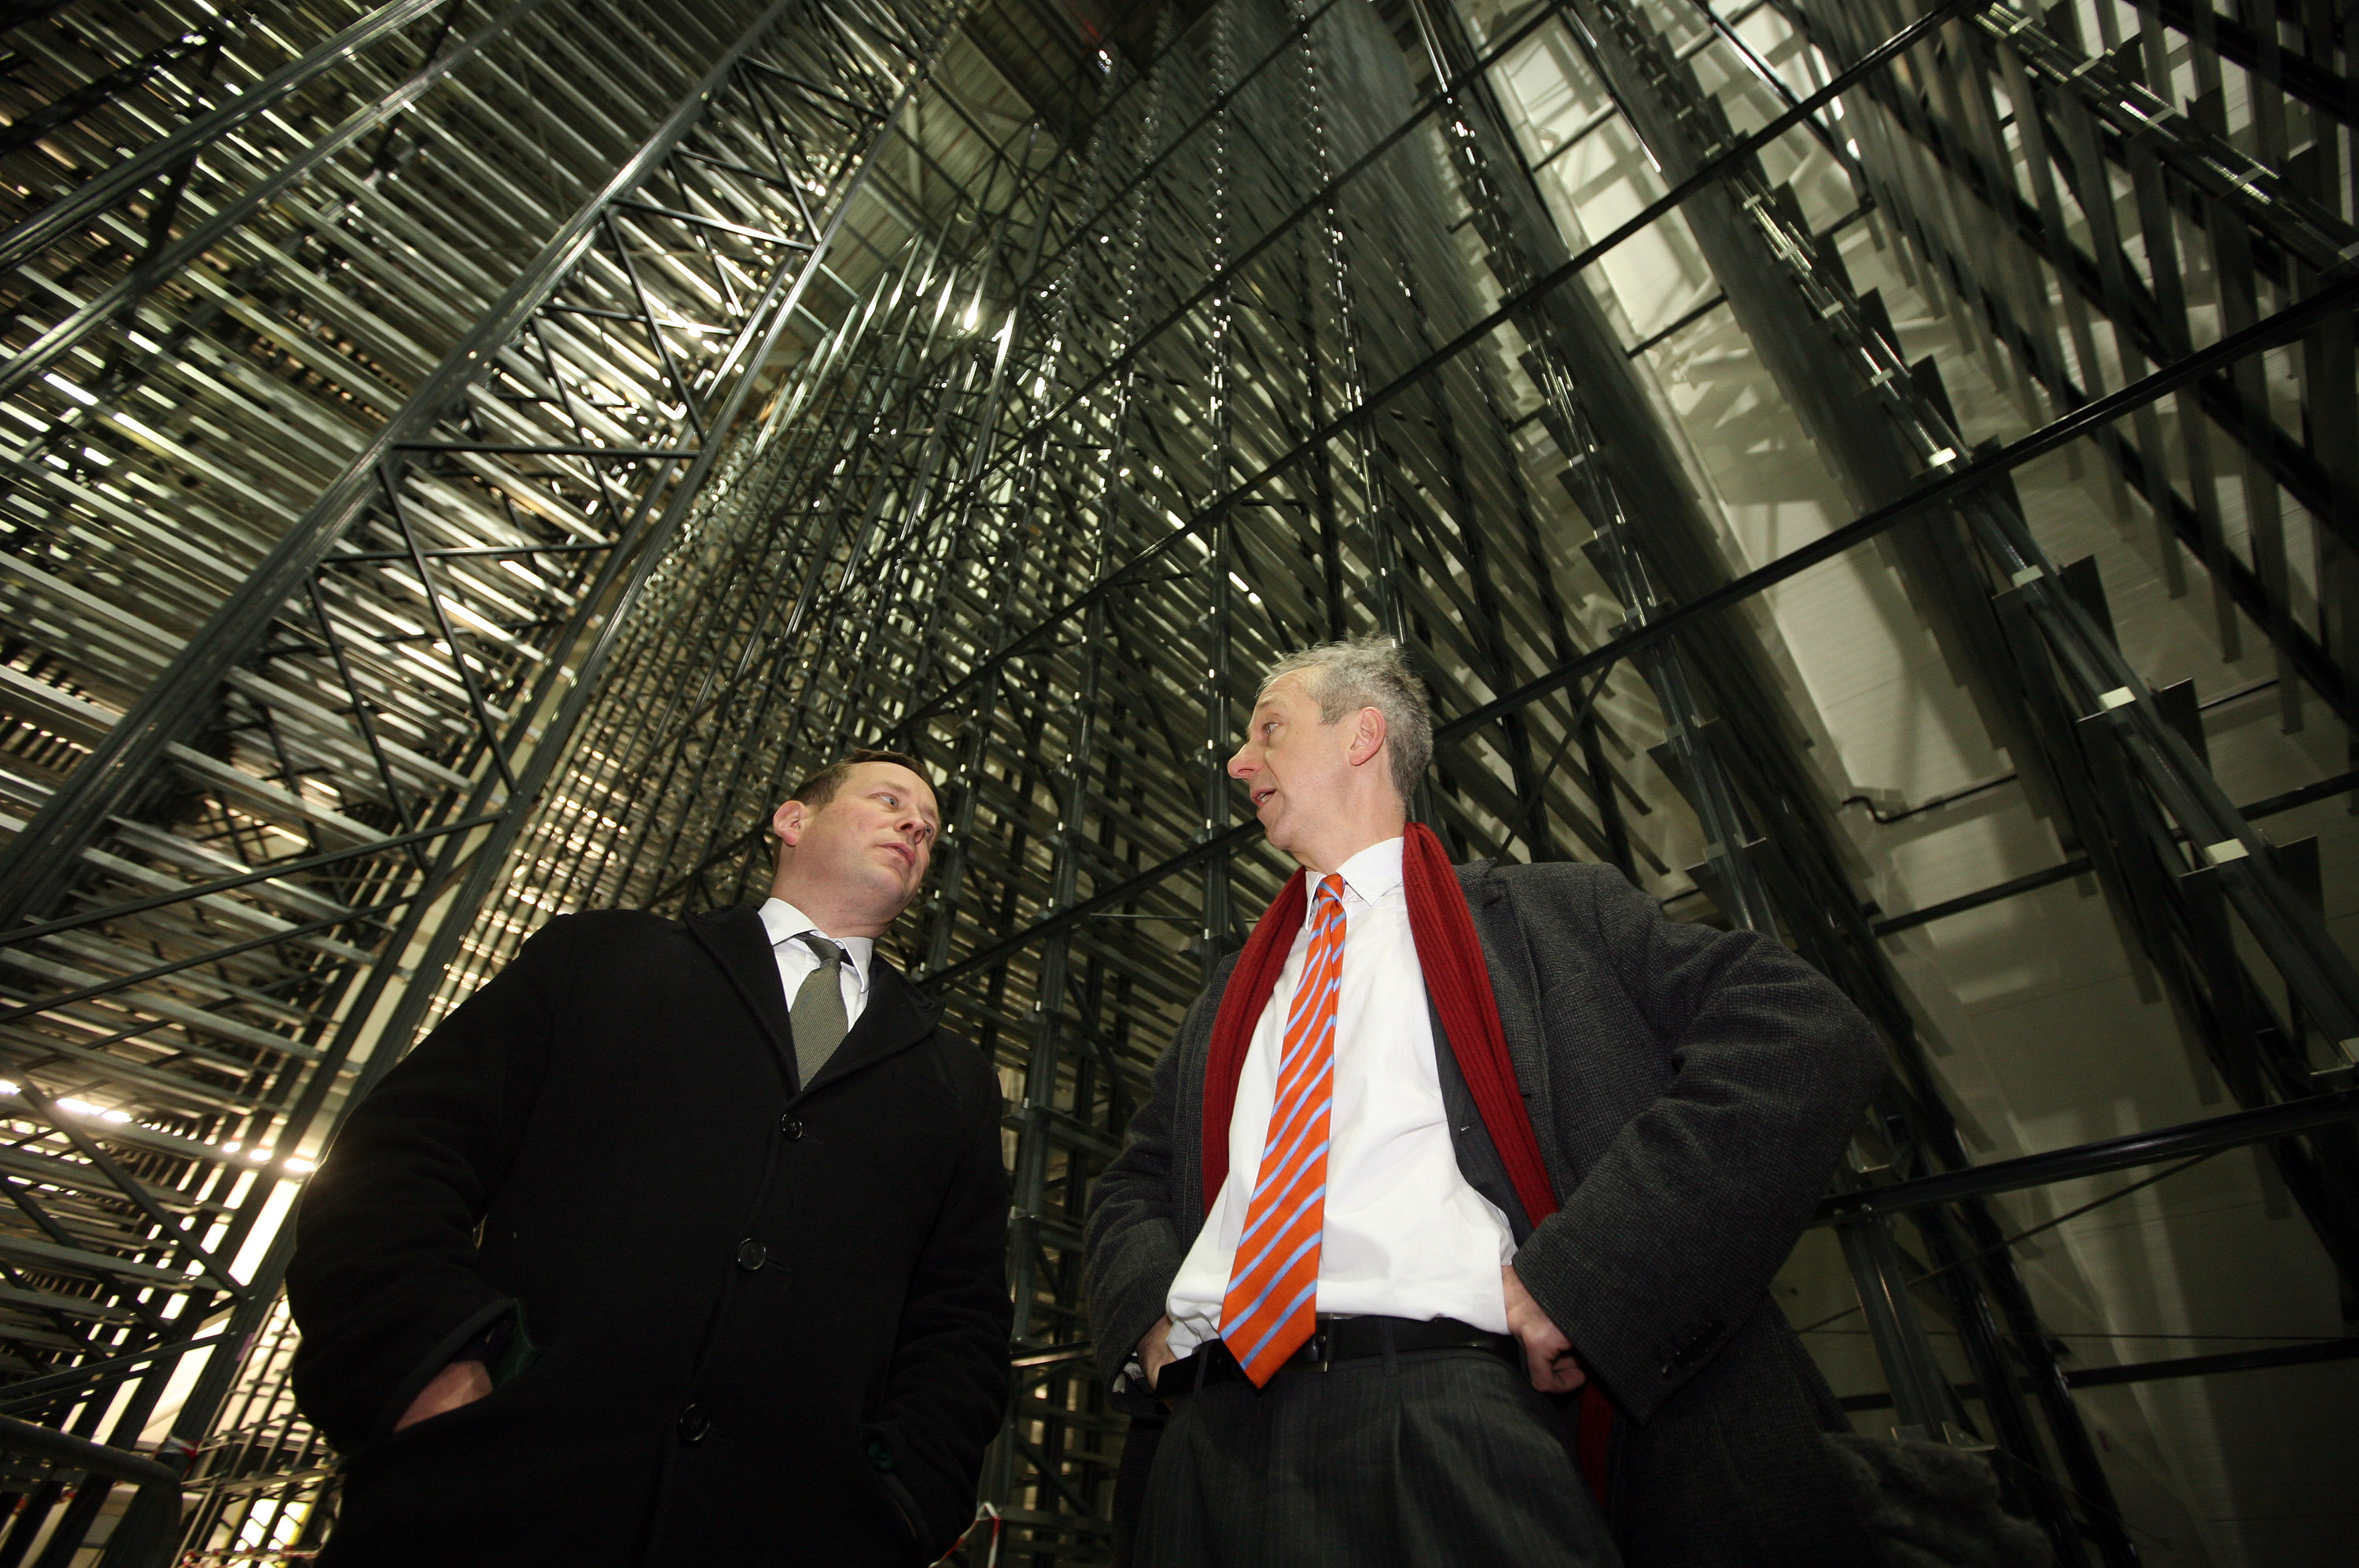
(1368, 737)
(787, 824)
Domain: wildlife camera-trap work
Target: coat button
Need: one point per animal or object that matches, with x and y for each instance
(751, 1255)
(791, 1126)
(694, 1424)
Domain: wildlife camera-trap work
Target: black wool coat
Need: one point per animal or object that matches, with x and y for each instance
(1690, 1090)
(771, 1319)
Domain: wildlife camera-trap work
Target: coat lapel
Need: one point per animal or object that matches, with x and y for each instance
(1470, 1139)
(898, 1017)
(1195, 1047)
(740, 944)
(1516, 989)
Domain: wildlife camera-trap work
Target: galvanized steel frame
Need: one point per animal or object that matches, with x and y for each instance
(562, 437)
(1094, 416)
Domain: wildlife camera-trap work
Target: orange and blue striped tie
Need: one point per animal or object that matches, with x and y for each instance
(1272, 1302)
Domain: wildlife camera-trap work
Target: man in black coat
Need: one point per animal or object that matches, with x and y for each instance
(677, 1243)
(1689, 1090)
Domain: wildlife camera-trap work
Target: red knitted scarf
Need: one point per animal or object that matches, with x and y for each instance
(1459, 981)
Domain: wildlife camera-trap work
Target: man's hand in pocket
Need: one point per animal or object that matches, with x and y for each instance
(461, 1383)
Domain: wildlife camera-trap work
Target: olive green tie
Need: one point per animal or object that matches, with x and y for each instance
(817, 1015)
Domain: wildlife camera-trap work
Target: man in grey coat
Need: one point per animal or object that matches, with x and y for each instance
(1413, 1310)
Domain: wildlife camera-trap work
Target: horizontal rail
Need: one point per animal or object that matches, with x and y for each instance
(2332, 296)
(531, 450)
(245, 879)
(2309, 1354)
(123, 763)
(33, 1390)
(1707, 173)
(64, 1448)
(154, 1480)
(2256, 1126)
(171, 261)
(60, 218)
(1908, 919)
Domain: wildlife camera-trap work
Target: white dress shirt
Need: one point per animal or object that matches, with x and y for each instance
(1406, 1235)
(796, 959)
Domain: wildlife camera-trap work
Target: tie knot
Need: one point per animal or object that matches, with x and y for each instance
(1332, 887)
(828, 952)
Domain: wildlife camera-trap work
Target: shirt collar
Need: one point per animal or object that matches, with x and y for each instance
(784, 923)
(1375, 871)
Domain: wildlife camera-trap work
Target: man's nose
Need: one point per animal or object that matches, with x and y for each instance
(1238, 767)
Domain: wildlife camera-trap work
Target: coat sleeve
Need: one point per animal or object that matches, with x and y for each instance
(1671, 1238)
(946, 1391)
(1131, 1230)
(383, 1281)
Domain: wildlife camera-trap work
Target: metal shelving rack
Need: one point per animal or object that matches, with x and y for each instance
(466, 460)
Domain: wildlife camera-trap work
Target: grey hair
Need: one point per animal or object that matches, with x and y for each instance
(1368, 672)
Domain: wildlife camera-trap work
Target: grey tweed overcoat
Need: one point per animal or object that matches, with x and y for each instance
(1691, 1090)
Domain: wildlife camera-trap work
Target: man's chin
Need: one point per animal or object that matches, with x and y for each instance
(1273, 828)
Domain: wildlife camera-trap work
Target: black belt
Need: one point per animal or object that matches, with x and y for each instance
(1334, 1340)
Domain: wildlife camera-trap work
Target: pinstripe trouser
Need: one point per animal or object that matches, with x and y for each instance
(1424, 1460)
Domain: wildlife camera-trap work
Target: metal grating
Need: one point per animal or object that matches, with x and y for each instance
(468, 469)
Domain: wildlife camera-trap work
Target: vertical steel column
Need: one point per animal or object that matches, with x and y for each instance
(1037, 1136)
(1217, 923)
